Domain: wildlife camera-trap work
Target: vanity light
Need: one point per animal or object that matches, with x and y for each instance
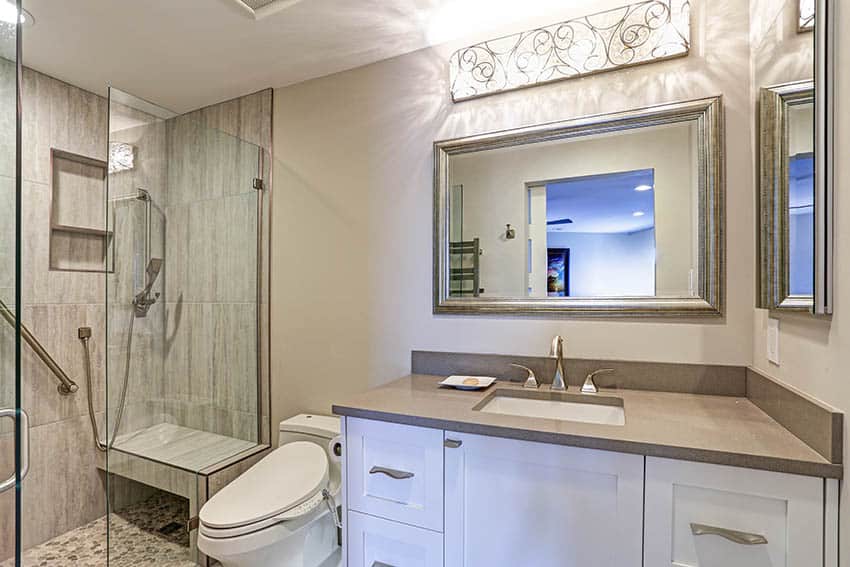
(9, 14)
(638, 214)
(641, 188)
(630, 35)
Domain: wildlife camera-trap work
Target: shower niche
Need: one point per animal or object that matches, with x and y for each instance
(79, 238)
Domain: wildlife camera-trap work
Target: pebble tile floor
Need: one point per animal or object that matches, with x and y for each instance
(135, 539)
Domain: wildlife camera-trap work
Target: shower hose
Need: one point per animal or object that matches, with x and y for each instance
(84, 334)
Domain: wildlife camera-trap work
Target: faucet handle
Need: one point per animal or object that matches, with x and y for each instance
(589, 386)
(531, 380)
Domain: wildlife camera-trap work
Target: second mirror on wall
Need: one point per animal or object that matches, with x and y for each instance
(787, 197)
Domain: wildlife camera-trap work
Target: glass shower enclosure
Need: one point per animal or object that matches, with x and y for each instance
(13, 418)
(185, 336)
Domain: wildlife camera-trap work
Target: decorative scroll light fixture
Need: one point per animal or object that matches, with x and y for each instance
(121, 157)
(644, 32)
(807, 15)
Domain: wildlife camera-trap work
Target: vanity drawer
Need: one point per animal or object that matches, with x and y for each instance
(395, 472)
(375, 542)
(700, 515)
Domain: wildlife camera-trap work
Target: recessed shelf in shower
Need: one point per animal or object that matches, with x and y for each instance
(79, 240)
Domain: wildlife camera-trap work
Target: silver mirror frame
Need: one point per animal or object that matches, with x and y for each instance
(708, 113)
(774, 270)
(824, 149)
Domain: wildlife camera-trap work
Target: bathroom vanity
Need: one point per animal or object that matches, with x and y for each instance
(687, 480)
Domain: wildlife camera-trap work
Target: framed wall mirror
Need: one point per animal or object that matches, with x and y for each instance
(794, 67)
(617, 215)
(787, 198)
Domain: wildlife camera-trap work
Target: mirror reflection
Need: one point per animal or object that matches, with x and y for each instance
(604, 215)
(788, 197)
(801, 199)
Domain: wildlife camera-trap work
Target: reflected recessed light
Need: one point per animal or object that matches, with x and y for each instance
(638, 214)
(643, 188)
(9, 14)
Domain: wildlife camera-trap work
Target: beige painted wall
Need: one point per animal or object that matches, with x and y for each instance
(353, 167)
(353, 202)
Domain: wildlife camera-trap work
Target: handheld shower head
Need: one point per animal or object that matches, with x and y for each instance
(143, 300)
(152, 272)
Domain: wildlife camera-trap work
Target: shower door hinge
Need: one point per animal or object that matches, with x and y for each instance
(258, 184)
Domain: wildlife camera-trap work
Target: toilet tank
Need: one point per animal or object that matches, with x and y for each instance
(319, 429)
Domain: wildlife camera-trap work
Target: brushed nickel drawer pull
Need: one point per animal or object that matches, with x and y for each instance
(452, 443)
(392, 473)
(380, 564)
(735, 536)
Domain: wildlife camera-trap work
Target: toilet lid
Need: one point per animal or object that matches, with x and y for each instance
(285, 478)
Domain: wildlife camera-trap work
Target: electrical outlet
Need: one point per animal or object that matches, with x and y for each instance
(773, 341)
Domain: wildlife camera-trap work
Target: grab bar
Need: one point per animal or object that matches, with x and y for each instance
(66, 385)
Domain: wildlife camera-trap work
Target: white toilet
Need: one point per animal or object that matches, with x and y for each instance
(276, 513)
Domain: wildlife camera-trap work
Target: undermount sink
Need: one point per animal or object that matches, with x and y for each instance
(584, 408)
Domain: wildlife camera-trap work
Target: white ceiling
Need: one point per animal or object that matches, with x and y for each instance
(184, 54)
(602, 203)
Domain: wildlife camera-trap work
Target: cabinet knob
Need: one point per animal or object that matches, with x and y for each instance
(452, 443)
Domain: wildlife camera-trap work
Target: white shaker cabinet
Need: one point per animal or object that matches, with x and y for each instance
(511, 502)
(422, 497)
(702, 515)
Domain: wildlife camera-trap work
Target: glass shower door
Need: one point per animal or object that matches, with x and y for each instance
(14, 429)
(183, 400)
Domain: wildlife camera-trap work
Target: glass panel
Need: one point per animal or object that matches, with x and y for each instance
(9, 284)
(182, 314)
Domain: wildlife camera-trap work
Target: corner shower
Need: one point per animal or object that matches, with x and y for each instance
(185, 326)
(142, 278)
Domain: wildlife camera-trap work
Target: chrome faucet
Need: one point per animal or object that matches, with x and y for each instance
(589, 386)
(559, 381)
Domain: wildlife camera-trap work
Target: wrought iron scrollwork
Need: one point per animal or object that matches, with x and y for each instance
(638, 33)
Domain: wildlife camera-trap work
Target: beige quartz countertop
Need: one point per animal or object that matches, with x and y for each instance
(724, 430)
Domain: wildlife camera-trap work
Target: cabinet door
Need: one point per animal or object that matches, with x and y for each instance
(701, 515)
(374, 542)
(520, 503)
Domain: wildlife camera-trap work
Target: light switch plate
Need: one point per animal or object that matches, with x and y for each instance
(773, 340)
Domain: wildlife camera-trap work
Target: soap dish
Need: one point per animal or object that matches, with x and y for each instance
(468, 382)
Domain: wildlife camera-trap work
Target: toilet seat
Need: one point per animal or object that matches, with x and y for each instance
(285, 485)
